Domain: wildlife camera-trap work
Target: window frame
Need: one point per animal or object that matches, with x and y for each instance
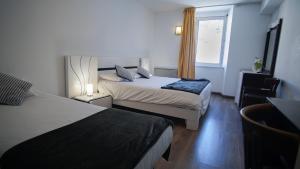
(206, 18)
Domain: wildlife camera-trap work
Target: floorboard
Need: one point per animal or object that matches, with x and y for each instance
(217, 145)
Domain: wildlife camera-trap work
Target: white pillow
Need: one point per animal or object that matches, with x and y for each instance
(111, 77)
(136, 75)
(124, 73)
(143, 72)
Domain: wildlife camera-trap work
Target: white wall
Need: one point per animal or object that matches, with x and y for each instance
(288, 59)
(247, 40)
(165, 51)
(35, 35)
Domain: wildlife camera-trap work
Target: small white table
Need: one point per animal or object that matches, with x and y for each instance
(99, 99)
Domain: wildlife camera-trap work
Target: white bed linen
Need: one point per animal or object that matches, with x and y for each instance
(44, 112)
(149, 91)
(38, 115)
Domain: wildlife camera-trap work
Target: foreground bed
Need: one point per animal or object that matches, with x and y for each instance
(48, 128)
(146, 94)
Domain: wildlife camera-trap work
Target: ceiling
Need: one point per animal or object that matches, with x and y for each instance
(168, 5)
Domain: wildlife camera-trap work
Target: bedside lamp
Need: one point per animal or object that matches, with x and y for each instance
(89, 89)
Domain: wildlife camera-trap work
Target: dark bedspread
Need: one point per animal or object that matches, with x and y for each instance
(193, 86)
(110, 139)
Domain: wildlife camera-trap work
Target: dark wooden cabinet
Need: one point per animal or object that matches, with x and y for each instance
(249, 78)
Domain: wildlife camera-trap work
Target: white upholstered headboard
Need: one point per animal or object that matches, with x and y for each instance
(80, 70)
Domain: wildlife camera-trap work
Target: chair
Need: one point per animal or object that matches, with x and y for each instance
(255, 93)
(269, 142)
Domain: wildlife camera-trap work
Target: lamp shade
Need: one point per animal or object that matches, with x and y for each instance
(89, 89)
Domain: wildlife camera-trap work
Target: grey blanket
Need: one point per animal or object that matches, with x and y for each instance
(188, 85)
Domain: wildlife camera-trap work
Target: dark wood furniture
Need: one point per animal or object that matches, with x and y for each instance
(289, 108)
(249, 79)
(269, 61)
(256, 89)
(270, 141)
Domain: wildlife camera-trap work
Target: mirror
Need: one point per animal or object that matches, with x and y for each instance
(271, 48)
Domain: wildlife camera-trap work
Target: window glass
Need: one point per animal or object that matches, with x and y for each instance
(210, 39)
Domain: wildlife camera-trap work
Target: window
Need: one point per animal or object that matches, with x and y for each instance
(210, 41)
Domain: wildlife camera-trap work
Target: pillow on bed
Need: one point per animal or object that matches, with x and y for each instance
(136, 75)
(12, 90)
(124, 73)
(111, 77)
(143, 72)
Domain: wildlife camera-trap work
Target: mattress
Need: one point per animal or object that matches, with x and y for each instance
(149, 91)
(44, 112)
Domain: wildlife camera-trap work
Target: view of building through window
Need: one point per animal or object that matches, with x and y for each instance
(209, 44)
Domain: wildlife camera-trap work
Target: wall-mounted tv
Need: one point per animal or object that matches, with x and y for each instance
(271, 48)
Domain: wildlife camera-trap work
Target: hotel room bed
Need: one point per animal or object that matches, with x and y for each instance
(141, 94)
(146, 94)
(44, 113)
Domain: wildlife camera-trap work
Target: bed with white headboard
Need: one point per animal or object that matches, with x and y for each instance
(147, 95)
(141, 94)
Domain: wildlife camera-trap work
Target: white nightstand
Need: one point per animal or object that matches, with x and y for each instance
(103, 100)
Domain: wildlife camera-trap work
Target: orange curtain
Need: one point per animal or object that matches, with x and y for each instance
(187, 55)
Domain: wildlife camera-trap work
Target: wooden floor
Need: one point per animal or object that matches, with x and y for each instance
(217, 145)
